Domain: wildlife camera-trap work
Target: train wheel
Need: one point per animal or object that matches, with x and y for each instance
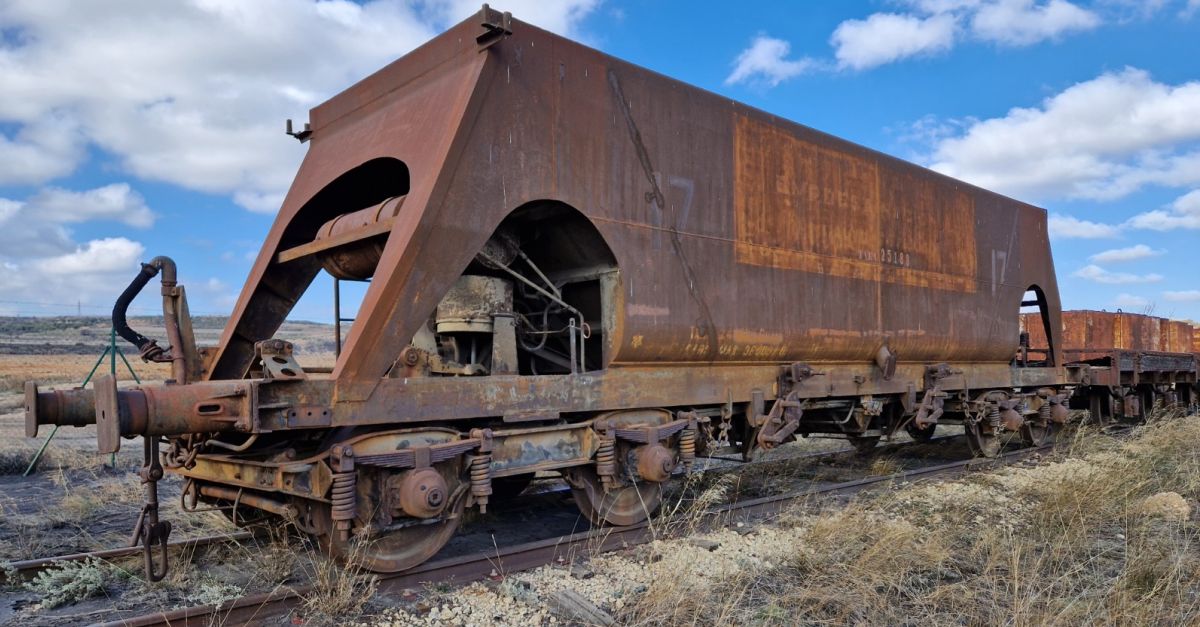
(622, 506)
(982, 443)
(864, 444)
(920, 434)
(1035, 434)
(400, 546)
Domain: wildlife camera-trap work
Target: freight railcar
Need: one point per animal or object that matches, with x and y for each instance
(1127, 363)
(581, 266)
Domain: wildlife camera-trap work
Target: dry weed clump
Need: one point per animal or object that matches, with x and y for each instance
(341, 590)
(1107, 536)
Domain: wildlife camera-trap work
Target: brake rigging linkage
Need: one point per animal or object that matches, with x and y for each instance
(149, 530)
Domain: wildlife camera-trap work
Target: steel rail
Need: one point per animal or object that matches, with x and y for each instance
(26, 568)
(259, 608)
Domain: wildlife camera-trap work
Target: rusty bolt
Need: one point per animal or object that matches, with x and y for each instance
(410, 356)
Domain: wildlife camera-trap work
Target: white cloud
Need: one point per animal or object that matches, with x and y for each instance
(766, 60)
(1022, 22)
(39, 225)
(99, 256)
(887, 37)
(1129, 301)
(1067, 227)
(933, 26)
(259, 202)
(45, 148)
(117, 202)
(1185, 296)
(1184, 213)
(93, 273)
(40, 261)
(1095, 273)
(195, 94)
(1132, 253)
(1191, 8)
(1100, 139)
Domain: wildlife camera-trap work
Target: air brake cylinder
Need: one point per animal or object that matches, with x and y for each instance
(477, 315)
(470, 305)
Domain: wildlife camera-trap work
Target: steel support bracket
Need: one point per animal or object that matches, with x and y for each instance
(496, 26)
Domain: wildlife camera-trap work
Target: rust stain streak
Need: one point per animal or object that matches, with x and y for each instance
(708, 329)
(801, 206)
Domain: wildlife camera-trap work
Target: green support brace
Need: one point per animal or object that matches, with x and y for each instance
(112, 351)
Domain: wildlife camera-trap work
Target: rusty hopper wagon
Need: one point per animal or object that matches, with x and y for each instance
(577, 265)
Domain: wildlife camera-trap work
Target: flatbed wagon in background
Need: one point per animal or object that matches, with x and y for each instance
(1127, 363)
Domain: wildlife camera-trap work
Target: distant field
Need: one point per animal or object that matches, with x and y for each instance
(73, 335)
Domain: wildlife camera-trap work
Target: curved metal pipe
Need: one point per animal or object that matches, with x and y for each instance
(148, 348)
(236, 448)
(120, 324)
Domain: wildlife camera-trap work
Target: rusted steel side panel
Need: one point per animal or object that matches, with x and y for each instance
(1031, 323)
(1177, 337)
(845, 249)
(1095, 333)
(1149, 337)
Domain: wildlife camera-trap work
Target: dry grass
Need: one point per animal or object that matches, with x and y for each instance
(1084, 540)
(67, 370)
(341, 590)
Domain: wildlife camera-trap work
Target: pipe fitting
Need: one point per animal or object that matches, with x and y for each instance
(654, 462)
(422, 493)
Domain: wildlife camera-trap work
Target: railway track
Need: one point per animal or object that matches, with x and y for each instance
(25, 569)
(261, 608)
(28, 568)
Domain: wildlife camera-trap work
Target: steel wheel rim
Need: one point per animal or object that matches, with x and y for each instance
(1035, 434)
(981, 444)
(628, 505)
(401, 549)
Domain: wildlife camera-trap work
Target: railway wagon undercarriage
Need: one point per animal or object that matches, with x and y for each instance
(577, 265)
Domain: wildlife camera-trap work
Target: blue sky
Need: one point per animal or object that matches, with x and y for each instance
(130, 129)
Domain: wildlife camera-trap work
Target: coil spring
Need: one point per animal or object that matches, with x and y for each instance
(687, 448)
(343, 495)
(481, 480)
(606, 458)
(994, 416)
(1044, 412)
